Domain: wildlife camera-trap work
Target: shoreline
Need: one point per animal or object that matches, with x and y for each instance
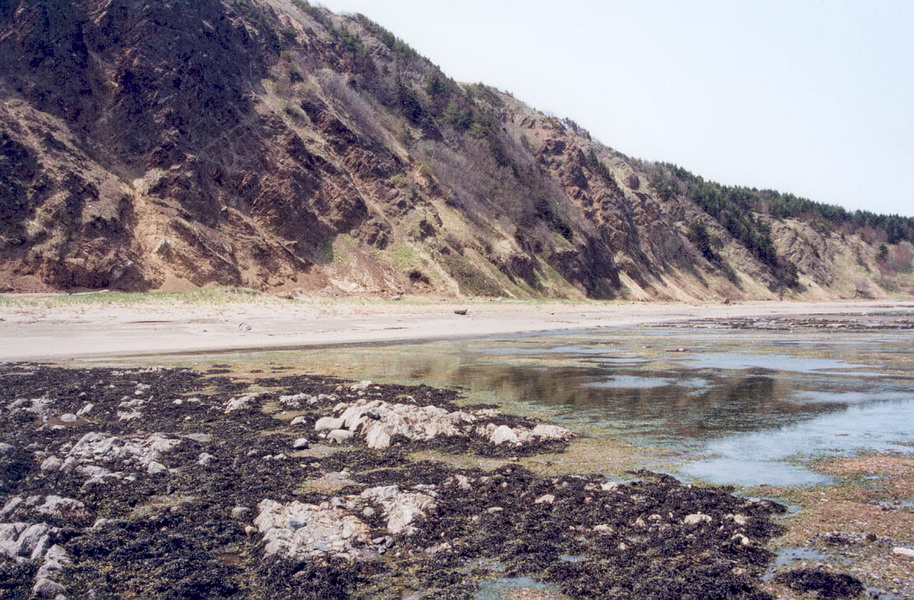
(84, 329)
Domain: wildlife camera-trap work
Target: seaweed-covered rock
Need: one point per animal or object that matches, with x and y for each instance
(824, 584)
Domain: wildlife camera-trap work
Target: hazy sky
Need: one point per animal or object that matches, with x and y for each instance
(812, 97)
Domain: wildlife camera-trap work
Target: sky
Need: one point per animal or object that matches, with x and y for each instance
(811, 97)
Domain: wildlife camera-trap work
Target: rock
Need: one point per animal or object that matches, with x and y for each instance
(10, 507)
(51, 464)
(240, 512)
(33, 541)
(300, 444)
(461, 311)
(503, 434)
(900, 551)
(294, 400)
(46, 588)
(339, 436)
(696, 518)
(741, 539)
(244, 326)
(68, 418)
(154, 468)
(94, 448)
(163, 246)
(741, 520)
(298, 420)
(360, 386)
(400, 508)
(552, 432)
(55, 560)
(67, 509)
(242, 402)
(6, 449)
(545, 499)
(85, 409)
(299, 531)
(462, 481)
(368, 512)
(328, 424)
(205, 459)
(377, 437)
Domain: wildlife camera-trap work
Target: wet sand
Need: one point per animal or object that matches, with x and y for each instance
(76, 329)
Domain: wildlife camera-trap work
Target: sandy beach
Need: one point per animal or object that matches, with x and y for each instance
(74, 330)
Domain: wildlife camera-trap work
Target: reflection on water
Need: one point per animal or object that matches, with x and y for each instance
(738, 406)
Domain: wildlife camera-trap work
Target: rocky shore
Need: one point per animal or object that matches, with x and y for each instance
(171, 483)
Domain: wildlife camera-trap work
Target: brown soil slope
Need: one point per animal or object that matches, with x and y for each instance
(275, 145)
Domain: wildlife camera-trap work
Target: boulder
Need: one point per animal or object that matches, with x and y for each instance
(339, 436)
(503, 434)
(329, 424)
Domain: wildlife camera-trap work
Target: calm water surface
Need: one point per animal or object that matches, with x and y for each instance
(737, 407)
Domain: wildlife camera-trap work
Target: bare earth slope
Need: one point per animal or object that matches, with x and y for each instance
(275, 145)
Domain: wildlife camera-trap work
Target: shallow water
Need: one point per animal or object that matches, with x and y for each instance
(740, 407)
(499, 589)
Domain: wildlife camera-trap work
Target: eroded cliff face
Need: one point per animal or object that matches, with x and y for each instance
(275, 145)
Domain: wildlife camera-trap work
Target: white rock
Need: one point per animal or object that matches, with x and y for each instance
(63, 508)
(740, 520)
(908, 552)
(293, 400)
(462, 481)
(85, 409)
(300, 444)
(155, 467)
(503, 434)
(205, 459)
(240, 512)
(298, 530)
(329, 424)
(339, 436)
(68, 418)
(242, 402)
(741, 539)
(377, 436)
(96, 449)
(51, 463)
(400, 508)
(552, 432)
(33, 541)
(545, 499)
(46, 588)
(10, 507)
(696, 518)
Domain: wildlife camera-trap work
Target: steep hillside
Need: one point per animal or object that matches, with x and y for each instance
(275, 145)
